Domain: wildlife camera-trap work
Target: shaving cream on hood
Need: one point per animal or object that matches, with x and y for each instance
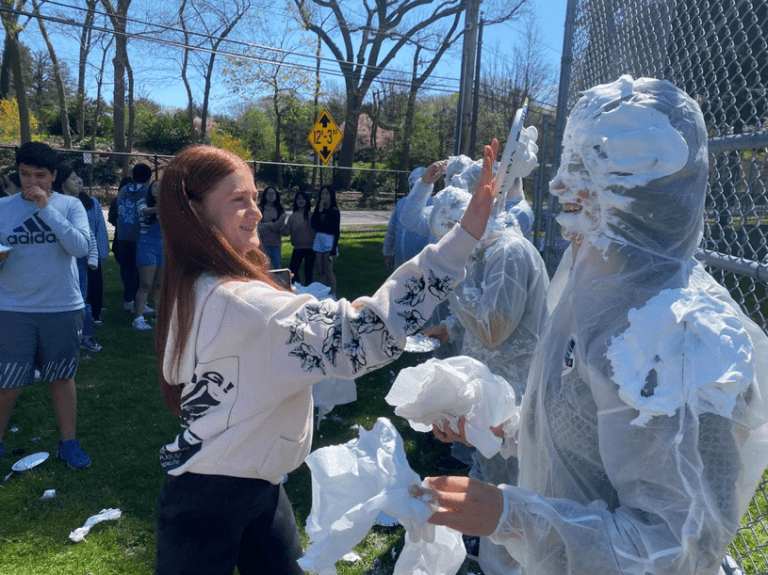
(639, 149)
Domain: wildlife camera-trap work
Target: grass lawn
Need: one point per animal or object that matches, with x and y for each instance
(123, 422)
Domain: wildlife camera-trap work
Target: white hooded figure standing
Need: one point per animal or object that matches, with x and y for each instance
(645, 425)
(497, 312)
(462, 173)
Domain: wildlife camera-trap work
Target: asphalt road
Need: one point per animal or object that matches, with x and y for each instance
(348, 219)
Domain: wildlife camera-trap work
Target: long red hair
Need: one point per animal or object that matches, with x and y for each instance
(192, 247)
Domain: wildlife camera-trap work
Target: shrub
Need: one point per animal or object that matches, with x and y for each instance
(10, 126)
(231, 144)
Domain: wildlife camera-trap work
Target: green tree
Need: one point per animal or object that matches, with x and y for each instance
(12, 53)
(265, 75)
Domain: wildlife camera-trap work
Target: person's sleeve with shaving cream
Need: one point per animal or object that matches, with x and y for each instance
(415, 213)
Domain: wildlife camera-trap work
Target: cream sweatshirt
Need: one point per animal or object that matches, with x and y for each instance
(255, 353)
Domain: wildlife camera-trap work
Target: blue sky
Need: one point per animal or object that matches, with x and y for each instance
(549, 17)
(157, 73)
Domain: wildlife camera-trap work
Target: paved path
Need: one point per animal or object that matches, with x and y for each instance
(348, 219)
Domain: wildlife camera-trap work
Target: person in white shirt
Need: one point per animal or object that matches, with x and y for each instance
(41, 305)
(239, 356)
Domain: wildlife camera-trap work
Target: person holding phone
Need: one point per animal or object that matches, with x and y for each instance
(299, 228)
(238, 356)
(326, 221)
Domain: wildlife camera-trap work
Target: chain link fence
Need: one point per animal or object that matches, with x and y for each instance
(717, 51)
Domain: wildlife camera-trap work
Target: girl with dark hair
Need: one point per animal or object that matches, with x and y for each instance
(302, 235)
(89, 268)
(272, 225)
(149, 255)
(238, 356)
(326, 221)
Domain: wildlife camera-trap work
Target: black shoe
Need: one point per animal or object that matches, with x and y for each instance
(450, 462)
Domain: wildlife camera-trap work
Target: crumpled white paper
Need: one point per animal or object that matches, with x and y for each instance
(351, 484)
(104, 515)
(420, 343)
(440, 391)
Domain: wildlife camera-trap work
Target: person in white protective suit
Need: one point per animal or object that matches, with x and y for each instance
(401, 244)
(462, 173)
(518, 206)
(497, 312)
(644, 430)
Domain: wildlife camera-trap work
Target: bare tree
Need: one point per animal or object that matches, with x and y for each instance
(60, 90)
(266, 75)
(12, 29)
(85, 39)
(384, 28)
(123, 141)
(528, 74)
(211, 21)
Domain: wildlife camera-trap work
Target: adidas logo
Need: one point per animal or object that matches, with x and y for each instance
(33, 231)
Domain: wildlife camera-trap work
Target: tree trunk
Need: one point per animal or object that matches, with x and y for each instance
(405, 150)
(343, 177)
(62, 97)
(131, 116)
(206, 96)
(5, 69)
(14, 54)
(278, 133)
(120, 64)
(85, 48)
(118, 96)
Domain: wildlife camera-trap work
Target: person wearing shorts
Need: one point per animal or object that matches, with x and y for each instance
(149, 255)
(41, 306)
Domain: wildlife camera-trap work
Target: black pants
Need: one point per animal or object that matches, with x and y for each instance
(96, 291)
(125, 254)
(308, 255)
(210, 523)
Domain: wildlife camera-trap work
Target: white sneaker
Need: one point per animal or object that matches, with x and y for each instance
(128, 305)
(147, 309)
(141, 324)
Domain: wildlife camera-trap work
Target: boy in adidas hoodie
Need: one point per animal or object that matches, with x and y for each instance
(41, 307)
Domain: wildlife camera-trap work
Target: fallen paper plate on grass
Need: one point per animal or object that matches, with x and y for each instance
(30, 461)
(104, 515)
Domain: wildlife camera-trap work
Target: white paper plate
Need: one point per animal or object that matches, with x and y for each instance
(30, 461)
(420, 343)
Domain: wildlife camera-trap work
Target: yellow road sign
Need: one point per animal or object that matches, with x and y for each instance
(325, 136)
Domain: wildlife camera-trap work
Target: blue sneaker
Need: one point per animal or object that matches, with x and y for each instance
(74, 456)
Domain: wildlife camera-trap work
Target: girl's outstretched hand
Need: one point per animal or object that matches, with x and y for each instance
(478, 211)
(466, 505)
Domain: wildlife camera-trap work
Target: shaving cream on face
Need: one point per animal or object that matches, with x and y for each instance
(614, 139)
(448, 208)
(682, 347)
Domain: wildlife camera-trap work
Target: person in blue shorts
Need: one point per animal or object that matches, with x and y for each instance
(149, 254)
(41, 307)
